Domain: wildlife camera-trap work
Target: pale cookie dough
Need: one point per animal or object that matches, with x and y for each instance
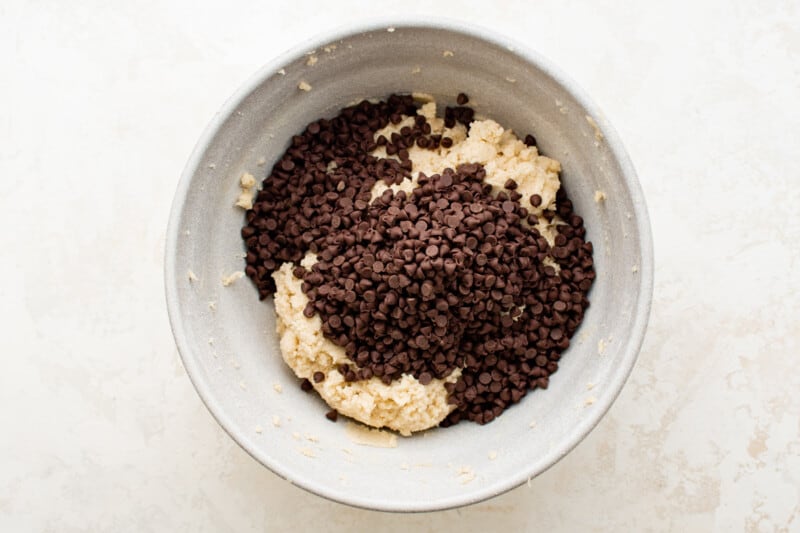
(503, 155)
(404, 406)
(232, 278)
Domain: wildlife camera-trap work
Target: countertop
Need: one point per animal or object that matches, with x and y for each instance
(102, 429)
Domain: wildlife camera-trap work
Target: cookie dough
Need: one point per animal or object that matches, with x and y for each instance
(406, 405)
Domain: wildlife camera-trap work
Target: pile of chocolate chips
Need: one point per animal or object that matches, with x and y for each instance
(450, 276)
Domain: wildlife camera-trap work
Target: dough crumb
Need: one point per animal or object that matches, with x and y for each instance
(365, 436)
(465, 474)
(448, 53)
(601, 347)
(599, 196)
(532, 424)
(423, 98)
(598, 135)
(511, 80)
(589, 386)
(276, 421)
(296, 435)
(304, 86)
(248, 185)
(635, 269)
(261, 161)
(212, 166)
(259, 429)
(311, 438)
(282, 72)
(309, 260)
(212, 305)
(589, 401)
(308, 452)
(390, 29)
(492, 455)
(243, 385)
(230, 279)
(416, 70)
(330, 48)
(211, 340)
(277, 387)
(192, 276)
(312, 60)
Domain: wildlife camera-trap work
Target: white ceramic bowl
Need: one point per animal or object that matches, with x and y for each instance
(231, 352)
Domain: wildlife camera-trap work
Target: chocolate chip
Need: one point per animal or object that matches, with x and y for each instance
(319, 377)
(462, 99)
(332, 415)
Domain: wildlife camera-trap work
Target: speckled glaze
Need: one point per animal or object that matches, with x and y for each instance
(230, 349)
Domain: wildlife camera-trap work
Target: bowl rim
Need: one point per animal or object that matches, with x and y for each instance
(645, 274)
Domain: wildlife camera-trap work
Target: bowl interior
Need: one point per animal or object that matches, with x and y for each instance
(227, 336)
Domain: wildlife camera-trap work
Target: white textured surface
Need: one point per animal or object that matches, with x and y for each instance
(101, 427)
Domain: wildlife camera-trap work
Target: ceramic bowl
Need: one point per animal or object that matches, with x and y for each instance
(227, 338)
